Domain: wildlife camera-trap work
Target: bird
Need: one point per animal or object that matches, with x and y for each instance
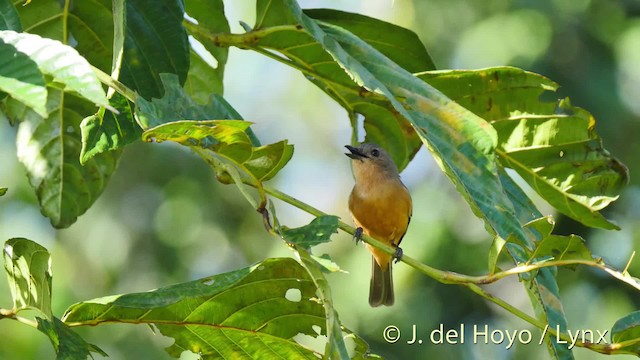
(381, 207)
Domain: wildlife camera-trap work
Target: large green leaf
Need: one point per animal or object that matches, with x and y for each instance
(109, 131)
(177, 117)
(67, 344)
(205, 79)
(9, 19)
(553, 146)
(155, 43)
(62, 62)
(399, 44)
(317, 232)
(49, 147)
(28, 267)
(249, 313)
(628, 329)
(21, 79)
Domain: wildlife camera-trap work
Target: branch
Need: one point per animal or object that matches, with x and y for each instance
(472, 282)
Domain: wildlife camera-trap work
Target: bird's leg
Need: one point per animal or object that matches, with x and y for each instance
(397, 255)
(357, 235)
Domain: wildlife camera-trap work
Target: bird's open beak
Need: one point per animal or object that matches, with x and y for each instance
(356, 154)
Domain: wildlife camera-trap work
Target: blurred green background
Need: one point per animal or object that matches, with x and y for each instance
(164, 219)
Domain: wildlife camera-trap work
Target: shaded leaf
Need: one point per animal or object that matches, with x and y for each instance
(9, 19)
(318, 231)
(553, 146)
(558, 247)
(625, 329)
(28, 267)
(21, 78)
(60, 61)
(177, 105)
(155, 43)
(253, 312)
(50, 148)
(399, 44)
(111, 131)
(203, 78)
(3, 190)
(91, 25)
(66, 342)
(231, 139)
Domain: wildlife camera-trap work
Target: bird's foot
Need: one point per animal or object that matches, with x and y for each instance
(357, 235)
(397, 255)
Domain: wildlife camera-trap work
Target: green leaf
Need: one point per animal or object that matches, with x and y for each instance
(253, 312)
(203, 78)
(62, 62)
(558, 247)
(335, 347)
(28, 267)
(230, 139)
(399, 44)
(625, 329)
(155, 43)
(66, 342)
(21, 78)
(177, 105)
(43, 17)
(553, 146)
(3, 190)
(9, 19)
(50, 148)
(542, 288)
(318, 231)
(109, 132)
(92, 25)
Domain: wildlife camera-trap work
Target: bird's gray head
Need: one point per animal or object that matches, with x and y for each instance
(372, 155)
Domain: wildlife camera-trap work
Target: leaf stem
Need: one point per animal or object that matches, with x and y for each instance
(115, 84)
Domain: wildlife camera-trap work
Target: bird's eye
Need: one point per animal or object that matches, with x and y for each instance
(375, 153)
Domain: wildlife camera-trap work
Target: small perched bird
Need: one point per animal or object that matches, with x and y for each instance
(381, 207)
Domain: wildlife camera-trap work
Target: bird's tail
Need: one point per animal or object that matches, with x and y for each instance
(381, 287)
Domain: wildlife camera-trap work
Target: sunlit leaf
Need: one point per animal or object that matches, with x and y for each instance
(212, 126)
(628, 328)
(49, 148)
(248, 313)
(21, 79)
(60, 61)
(66, 342)
(28, 267)
(553, 146)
